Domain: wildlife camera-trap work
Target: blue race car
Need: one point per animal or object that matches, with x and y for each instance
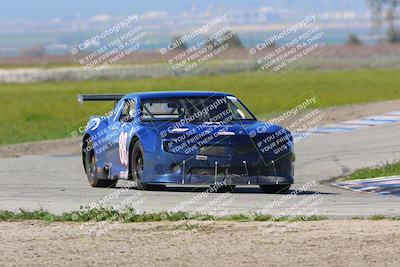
(189, 138)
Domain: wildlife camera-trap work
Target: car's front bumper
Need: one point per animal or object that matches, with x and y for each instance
(228, 179)
(252, 170)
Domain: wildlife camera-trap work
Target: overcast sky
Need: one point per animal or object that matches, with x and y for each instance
(48, 9)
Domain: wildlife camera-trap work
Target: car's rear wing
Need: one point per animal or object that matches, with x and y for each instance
(103, 97)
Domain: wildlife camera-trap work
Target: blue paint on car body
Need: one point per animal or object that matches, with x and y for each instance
(239, 150)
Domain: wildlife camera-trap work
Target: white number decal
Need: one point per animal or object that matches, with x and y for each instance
(123, 153)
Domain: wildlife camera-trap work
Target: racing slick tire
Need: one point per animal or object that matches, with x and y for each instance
(275, 189)
(89, 160)
(137, 167)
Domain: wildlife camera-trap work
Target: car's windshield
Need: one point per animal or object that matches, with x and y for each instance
(195, 109)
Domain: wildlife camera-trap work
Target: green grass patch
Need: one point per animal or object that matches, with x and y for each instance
(129, 215)
(40, 111)
(386, 169)
(378, 217)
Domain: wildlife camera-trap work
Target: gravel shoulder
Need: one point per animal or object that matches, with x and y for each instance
(71, 146)
(320, 243)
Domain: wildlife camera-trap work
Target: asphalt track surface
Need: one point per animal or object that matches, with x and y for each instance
(57, 182)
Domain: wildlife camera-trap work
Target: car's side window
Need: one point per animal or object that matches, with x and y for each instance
(128, 110)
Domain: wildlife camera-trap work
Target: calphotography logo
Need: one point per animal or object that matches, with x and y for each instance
(192, 52)
(300, 39)
(111, 45)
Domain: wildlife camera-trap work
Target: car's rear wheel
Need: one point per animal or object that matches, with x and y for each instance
(89, 159)
(137, 168)
(275, 189)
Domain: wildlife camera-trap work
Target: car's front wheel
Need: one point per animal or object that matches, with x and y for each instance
(275, 189)
(89, 160)
(137, 168)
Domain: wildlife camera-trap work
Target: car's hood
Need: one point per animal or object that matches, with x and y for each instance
(235, 132)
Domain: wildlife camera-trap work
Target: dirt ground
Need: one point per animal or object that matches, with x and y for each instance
(320, 243)
(71, 146)
(353, 52)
